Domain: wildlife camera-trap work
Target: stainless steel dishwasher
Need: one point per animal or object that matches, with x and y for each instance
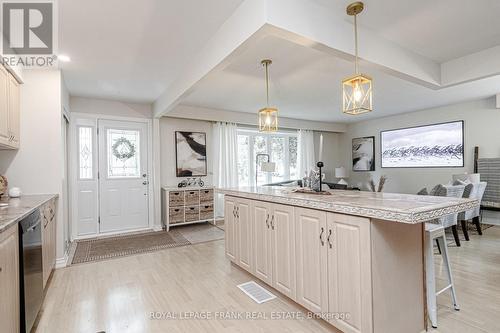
(30, 229)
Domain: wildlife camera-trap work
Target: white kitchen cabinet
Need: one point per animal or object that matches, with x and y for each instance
(230, 235)
(48, 215)
(311, 254)
(14, 111)
(9, 110)
(244, 234)
(238, 232)
(341, 267)
(349, 273)
(4, 105)
(261, 218)
(9, 280)
(283, 249)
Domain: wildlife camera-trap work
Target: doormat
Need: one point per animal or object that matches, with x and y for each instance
(98, 249)
(120, 246)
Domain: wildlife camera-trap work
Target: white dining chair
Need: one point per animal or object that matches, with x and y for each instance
(473, 214)
(452, 191)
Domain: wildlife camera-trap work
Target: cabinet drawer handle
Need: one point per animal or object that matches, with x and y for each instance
(267, 221)
(191, 192)
(328, 239)
(176, 193)
(272, 222)
(321, 236)
(176, 210)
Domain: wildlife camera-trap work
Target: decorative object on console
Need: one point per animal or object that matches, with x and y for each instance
(363, 154)
(3, 184)
(320, 165)
(191, 182)
(381, 184)
(341, 173)
(264, 166)
(15, 192)
(356, 90)
(190, 154)
(268, 116)
(436, 145)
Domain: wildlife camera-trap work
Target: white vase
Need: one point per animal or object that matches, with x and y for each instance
(14, 192)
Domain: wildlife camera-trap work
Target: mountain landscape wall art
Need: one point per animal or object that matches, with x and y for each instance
(437, 145)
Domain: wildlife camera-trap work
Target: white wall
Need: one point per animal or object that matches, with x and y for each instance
(168, 126)
(109, 107)
(482, 121)
(36, 167)
(332, 157)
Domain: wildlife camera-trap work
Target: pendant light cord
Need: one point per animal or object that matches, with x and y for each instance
(356, 44)
(267, 85)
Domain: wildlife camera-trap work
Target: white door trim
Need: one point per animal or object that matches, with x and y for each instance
(76, 118)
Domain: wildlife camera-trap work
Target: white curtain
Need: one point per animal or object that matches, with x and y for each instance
(225, 160)
(305, 152)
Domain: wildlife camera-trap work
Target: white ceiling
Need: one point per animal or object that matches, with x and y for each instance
(136, 51)
(132, 50)
(305, 84)
(440, 30)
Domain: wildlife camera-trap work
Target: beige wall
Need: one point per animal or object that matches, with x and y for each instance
(481, 129)
(37, 166)
(332, 157)
(168, 126)
(109, 107)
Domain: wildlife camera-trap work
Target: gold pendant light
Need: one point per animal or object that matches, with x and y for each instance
(357, 89)
(268, 116)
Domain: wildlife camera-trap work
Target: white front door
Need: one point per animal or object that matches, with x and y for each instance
(123, 178)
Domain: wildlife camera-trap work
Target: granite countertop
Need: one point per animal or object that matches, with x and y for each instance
(19, 208)
(404, 208)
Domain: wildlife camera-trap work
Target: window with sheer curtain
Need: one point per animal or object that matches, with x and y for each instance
(281, 148)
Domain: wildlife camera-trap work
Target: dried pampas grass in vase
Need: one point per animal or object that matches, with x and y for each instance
(381, 184)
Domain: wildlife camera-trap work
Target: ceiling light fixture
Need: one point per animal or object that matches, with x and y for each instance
(356, 90)
(268, 116)
(63, 58)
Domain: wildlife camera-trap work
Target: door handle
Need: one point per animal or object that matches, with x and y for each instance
(237, 211)
(272, 222)
(267, 221)
(328, 239)
(321, 236)
(145, 182)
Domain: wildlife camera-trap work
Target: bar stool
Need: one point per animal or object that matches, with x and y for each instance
(436, 232)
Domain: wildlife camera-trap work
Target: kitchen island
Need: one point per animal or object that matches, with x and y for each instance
(356, 259)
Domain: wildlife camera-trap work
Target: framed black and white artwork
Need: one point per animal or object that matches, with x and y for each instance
(190, 154)
(363, 154)
(429, 146)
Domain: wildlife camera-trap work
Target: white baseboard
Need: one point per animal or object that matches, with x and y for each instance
(157, 228)
(62, 262)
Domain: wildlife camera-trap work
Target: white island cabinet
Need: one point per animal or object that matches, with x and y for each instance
(353, 258)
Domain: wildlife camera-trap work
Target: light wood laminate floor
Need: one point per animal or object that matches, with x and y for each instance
(119, 295)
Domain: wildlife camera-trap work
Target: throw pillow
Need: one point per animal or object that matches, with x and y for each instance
(423, 191)
(438, 191)
(467, 190)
